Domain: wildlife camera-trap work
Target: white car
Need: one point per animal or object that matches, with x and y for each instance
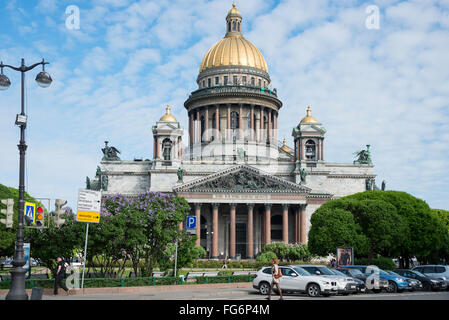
(345, 284)
(435, 271)
(295, 279)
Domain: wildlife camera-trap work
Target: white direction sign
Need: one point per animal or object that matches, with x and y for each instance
(89, 206)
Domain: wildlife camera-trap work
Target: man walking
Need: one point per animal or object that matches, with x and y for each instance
(59, 276)
(275, 278)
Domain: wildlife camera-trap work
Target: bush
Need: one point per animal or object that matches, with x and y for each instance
(382, 262)
(266, 257)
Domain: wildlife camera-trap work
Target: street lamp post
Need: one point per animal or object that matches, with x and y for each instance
(17, 289)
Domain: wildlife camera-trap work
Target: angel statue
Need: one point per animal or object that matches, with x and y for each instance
(303, 174)
(180, 174)
(363, 156)
(110, 153)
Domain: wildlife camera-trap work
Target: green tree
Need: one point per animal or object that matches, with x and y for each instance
(334, 227)
(49, 243)
(150, 223)
(187, 253)
(9, 236)
(426, 235)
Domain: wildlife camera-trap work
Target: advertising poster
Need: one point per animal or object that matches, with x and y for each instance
(345, 256)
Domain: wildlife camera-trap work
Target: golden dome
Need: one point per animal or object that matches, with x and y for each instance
(285, 147)
(234, 49)
(167, 116)
(234, 11)
(309, 118)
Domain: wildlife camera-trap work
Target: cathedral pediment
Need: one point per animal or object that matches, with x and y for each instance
(241, 179)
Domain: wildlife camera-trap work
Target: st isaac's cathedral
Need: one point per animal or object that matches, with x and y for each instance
(246, 189)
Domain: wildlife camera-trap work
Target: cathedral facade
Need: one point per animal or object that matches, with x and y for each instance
(245, 187)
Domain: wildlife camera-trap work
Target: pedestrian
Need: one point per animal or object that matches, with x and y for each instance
(276, 275)
(59, 274)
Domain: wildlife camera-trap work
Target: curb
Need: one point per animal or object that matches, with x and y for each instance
(167, 288)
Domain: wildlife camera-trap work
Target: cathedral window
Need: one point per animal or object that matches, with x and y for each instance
(204, 83)
(234, 120)
(233, 26)
(310, 150)
(209, 84)
(235, 79)
(166, 145)
(244, 79)
(203, 127)
(260, 83)
(225, 80)
(217, 81)
(253, 81)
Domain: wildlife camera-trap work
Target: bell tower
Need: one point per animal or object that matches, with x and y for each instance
(167, 143)
(309, 142)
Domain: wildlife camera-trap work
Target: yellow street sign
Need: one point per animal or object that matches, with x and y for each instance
(86, 216)
(30, 212)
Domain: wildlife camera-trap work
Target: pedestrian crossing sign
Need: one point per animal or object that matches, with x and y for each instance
(30, 212)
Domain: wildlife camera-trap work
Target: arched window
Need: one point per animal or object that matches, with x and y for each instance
(234, 120)
(238, 24)
(166, 146)
(203, 127)
(233, 26)
(229, 26)
(310, 150)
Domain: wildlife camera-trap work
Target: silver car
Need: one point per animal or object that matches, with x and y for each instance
(346, 285)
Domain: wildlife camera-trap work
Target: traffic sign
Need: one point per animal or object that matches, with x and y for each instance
(191, 222)
(30, 212)
(89, 206)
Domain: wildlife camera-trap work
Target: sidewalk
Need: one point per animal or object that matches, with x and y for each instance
(145, 290)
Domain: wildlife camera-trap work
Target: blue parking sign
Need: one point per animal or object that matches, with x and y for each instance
(191, 222)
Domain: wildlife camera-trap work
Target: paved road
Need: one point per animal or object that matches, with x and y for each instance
(246, 294)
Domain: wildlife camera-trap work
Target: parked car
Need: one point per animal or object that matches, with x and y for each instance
(415, 284)
(346, 285)
(377, 284)
(429, 283)
(295, 279)
(7, 263)
(395, 283)
(436, 271)
(76, 262)
(361, 287)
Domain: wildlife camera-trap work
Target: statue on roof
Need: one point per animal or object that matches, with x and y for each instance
(363, 156)
(110, 153)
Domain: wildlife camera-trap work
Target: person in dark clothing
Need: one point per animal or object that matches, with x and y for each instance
(59, 276)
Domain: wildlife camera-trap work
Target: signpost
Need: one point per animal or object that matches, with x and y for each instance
(89, 206)
(30, 212)
(191, 224)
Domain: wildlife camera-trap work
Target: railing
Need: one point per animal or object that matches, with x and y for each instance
(234, 89)
(134, 282)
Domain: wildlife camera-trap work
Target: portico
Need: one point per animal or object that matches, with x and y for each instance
(242, 209)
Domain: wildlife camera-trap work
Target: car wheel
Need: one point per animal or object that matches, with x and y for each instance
(392, 287)
(427, 287)
(313, 290)
(264, 288)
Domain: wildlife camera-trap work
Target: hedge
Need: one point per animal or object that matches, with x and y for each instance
(132, 282)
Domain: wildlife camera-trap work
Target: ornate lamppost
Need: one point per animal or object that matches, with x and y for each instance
(43, 79)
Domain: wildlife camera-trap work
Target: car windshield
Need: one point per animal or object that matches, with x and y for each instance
(338, 273)
(301, 271)
(393, 273)
(356, 272)
(325, 271)
(419, 274)
(384, 272)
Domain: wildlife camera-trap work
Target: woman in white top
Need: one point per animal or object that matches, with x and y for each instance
(275, 278)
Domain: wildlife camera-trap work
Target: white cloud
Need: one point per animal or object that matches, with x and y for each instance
(112, 79)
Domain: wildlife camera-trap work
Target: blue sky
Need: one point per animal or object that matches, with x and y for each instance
(387, 87)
